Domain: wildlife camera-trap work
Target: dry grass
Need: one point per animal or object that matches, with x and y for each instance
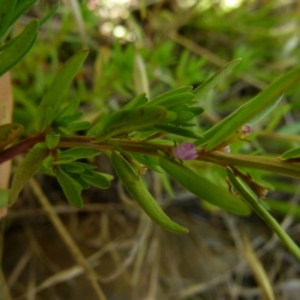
(111, 251)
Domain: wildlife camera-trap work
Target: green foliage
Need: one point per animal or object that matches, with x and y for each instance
(117, 118)
(53, 99)
(203, 188)
(29, 166)
(140, 193)
(18, 47)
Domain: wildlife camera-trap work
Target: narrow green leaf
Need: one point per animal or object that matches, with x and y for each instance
(219, 76)
(96, 179)
(50, 14)
(203, 188)
(126, 121)
(4, 198)
(196, 110)
(291, 154)
(22, 7)
(29, 166)
(72, 189)
(78, 126)
(172, 101)
(138, 101)
(54, 95)
(227, 128)
(19, 47)
(264, 214)
(73, 168)
(167, 95)
(178, 131)
(79, 153)
(9, 132)
(7, 9)
(137, 189)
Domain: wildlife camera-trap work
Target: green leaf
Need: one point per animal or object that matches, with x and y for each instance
(50, 14)
(203, 188)
(140, 77)
(164, 97)
(172, 101)
(227, 128)
(22, 7)
(263, 214)
(96, 179)
(9, 133)
(138, 101)
(178, 131)
(72, 189)
(126, 121)
(77, 126)
(29, 166)
(291, 154)
(137, 189)
(7, 9)
(196, 110)
(53, 97)
(52, 140)
(73, 168)
(18, 47)
(219, 76)
(4, 198)
(79, 153)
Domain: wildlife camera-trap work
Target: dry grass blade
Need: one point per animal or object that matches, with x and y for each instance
(258, 270)
(22, 263)
(67, 239)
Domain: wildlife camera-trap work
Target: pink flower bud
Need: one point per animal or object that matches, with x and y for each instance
(186, 151)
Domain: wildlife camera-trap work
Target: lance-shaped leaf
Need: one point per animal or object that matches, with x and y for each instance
(8, 133)
(263, 214)
(127, 121)
(21, 8)
(203, 188)
(163, 98)
(7, 9)
(291, 154)
(179, 131)
(227, 128)
(211, 82)
(29, 166)
(52, 100)
(138, 101)
(18, 47)
(139, 192)
(96, 179)
(72, 189)
(50, 14)
(79, 153)
(172, 101)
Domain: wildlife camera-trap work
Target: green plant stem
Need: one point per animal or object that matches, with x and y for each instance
(269, 164)
(264, 215)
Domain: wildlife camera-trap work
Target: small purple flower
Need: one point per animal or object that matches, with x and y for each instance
(247, 128)
(186, 151)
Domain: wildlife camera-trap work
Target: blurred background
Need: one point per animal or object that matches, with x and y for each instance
(109, 249)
